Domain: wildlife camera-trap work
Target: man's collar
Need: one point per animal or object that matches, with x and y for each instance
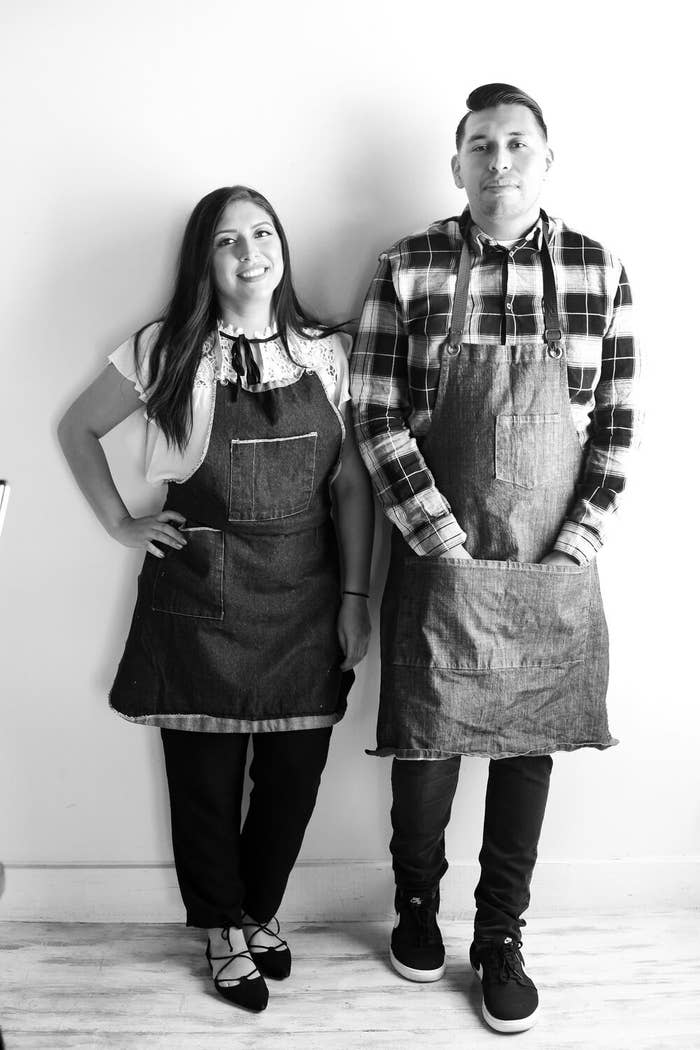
(479, 240)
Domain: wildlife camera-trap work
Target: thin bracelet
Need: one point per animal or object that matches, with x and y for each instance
(359, 594)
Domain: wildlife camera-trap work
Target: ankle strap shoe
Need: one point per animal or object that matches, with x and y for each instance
(270, 952)
(249, 990)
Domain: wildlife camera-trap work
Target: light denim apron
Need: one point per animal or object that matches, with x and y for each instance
(236, 632)
(498, 656)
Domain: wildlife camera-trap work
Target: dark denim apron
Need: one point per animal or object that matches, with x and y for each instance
(499, 656)
(237, 631)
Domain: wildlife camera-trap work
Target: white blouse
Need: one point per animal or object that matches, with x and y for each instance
(164, 462)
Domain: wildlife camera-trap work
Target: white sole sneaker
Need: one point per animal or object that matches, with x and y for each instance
(521, 1024)
(411, 974)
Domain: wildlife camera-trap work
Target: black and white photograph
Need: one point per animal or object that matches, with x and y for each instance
(348, 600)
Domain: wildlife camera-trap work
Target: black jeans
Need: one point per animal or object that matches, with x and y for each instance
(222, 869)
(516, 797)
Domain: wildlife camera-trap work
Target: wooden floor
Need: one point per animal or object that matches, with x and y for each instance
(621, 982)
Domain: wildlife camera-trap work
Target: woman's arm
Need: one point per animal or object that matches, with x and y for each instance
(104, 404)
(354, 519)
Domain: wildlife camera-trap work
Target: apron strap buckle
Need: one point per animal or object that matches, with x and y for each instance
(553, 339)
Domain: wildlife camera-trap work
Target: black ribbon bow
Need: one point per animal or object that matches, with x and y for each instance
(244, 364)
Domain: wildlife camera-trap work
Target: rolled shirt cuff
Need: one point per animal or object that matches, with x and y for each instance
(436, 537)
(579, 542)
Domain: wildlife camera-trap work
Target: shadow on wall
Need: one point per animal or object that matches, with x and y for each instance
(366, 200)
(116, 278)
(116, 281)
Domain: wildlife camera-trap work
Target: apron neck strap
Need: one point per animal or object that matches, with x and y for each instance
(552, 326)
(459, 306)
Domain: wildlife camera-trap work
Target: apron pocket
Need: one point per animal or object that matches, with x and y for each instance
(271, 477)
(491, 615)
(190, 582)
(528, 449)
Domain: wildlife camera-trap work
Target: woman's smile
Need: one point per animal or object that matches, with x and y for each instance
(253, 273)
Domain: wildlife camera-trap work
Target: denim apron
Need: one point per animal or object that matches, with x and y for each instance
(498, 656)
(237, 631)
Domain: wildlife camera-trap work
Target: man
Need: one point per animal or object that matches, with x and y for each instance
(494, 381)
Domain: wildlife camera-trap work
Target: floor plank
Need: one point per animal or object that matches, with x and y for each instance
(623, 982)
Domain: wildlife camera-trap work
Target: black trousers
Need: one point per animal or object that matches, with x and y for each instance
(223, 869)
(516, 797)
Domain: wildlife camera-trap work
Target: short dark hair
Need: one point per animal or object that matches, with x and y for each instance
(489, 95)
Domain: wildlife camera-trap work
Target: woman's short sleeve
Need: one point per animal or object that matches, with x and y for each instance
(124, 359)
(342, 344)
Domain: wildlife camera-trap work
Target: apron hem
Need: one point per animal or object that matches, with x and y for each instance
(436, 754)
(473, 672)
(214, 724)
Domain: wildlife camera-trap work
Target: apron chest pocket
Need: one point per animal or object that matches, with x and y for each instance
(491, 615)
(528, 450)
(190, 582)
(271, 477)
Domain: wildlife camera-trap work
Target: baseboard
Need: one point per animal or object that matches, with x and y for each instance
(345, 891)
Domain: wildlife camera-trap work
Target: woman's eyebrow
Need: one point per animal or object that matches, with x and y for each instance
(265, 222)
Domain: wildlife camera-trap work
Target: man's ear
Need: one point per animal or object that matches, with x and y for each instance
(549, 159)
(456, 172)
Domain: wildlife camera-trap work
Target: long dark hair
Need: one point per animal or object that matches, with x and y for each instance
(192, 313)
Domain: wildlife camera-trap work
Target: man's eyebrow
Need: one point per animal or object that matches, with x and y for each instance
(481, 136)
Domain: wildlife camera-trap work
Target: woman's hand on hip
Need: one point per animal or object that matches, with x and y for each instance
(147, 531)
(354, 629)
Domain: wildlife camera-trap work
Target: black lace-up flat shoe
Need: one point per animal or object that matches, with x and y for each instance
(270, 953)
(250, 990)
(417, 951)
(510, 1003)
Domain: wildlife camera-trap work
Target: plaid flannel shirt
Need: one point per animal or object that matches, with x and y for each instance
(395, 366)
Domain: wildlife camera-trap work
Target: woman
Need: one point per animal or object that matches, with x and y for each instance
(240, 626)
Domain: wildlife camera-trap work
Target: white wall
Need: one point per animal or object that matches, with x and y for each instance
(118, 118)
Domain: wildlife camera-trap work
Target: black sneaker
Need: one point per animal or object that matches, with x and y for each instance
(417, 951)
(510, 1001)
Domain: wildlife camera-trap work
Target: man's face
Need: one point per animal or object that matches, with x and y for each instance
(502, 163)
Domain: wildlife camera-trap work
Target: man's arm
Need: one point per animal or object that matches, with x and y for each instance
(379, 385)
(614, 432)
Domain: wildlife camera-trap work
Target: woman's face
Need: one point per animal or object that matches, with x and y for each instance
(247, 264)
